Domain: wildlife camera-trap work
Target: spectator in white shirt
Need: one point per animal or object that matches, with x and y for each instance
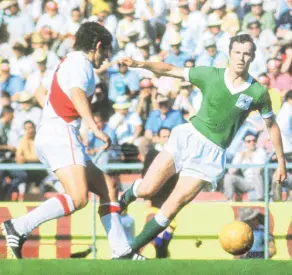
(251, 178)
(73, 22)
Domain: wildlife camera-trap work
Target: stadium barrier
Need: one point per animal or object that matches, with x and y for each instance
(195, 237)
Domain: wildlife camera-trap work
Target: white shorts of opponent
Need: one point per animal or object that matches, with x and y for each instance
(196, 156)
(58, 145)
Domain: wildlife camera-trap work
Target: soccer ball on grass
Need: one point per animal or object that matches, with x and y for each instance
(236, 238)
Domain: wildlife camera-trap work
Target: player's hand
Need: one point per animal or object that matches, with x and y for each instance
(281, 174)
(128, 61)
(107, 143)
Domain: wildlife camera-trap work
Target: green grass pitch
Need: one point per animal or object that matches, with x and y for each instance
(151, 267)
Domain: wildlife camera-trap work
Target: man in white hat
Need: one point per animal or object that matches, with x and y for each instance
(212, 57)
(267, 19)
(197, 150)
(20, 25)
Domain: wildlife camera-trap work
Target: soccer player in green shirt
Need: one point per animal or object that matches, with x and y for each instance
(197, 149)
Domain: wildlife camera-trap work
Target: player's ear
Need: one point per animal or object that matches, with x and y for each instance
(98, 45)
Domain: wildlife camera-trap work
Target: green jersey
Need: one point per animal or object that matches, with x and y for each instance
(225, 108)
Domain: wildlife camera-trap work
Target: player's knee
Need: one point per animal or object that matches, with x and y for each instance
(79, 201)
(146, 190)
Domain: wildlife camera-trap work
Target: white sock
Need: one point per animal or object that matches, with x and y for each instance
(135, 187)
(112, 224)
(161, 219)
(59, 206)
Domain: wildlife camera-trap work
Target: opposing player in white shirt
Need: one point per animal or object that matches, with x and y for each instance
(58, 146)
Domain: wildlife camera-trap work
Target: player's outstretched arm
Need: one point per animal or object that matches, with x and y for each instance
(275, 135)
(40, 95)
(81, 104)
(159, 68)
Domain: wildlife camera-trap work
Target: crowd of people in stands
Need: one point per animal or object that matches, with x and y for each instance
(133, 105)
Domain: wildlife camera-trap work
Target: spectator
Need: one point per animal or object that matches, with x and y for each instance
(230, 21)
(278, 80)
(161, 242)
(5, 100)
(284, 26)
(20, 25)
(256, 221)
(73, 22)
(67, 45)
(251, 178)
(211, 56)
(165, 116)
(12, 84)
(266, 18)
(125, 82)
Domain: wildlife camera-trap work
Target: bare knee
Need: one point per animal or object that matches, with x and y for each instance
(146, 190)
(79, 200)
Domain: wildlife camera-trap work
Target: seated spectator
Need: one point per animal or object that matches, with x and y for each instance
(278, 80)
(124, 82)
(5, 100)
(161, 242)
(27, 111)
(127, 126)
(26, 153)
(266, 18)
(12, 84)
(251, 178)
(284, 26)
(95, 145)
(165, 116)
(73, 22)
(211, 56)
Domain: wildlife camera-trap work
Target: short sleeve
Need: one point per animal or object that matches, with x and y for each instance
(198, 76)
(264, 105)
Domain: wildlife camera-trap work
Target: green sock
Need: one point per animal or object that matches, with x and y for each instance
(127, 198)
(149, 232)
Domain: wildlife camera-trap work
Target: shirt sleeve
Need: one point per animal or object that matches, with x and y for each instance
(264, 105)
(198, 76)
(78, 76)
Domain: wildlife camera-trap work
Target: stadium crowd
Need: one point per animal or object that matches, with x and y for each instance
(133, 105)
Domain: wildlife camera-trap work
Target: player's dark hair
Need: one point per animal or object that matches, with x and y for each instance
(6, 109)
(243, 38)
(89, 34)
(163, 128)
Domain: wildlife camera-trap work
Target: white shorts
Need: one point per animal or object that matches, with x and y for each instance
(196, 156)
(58, 145)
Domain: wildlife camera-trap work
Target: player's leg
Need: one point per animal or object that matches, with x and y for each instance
(186, 190)
(109, 209)
(73, 178)
(161, 169)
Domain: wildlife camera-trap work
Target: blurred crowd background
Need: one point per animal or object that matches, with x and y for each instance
(135, 107)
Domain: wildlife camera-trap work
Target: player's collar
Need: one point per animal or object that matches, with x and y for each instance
(239, 89)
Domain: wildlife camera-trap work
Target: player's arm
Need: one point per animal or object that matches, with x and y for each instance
(275, 135)
(79, 99)
(159, 68)
(40, 95)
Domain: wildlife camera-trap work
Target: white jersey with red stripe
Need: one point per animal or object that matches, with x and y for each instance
(74, 71)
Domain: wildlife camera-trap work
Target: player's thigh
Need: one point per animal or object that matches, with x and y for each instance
(186, 189)
(160, 170)
(73, 179)
(101, 184)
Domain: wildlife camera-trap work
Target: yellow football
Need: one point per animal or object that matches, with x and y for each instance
(236, 238)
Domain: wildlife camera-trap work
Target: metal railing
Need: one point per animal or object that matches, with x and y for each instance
(139, 166)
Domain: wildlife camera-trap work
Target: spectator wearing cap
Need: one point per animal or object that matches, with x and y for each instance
(20, 25)
(124, 82)
(38, 42)
(284, 24)
(127, 9)
(238, 181)
(52, 19)
(256, 222)
(278, 80)
(12, 84)
(211, 56)
(230, 21)
(27, 111)
(266, 18)
(41, 75)
(176, 57)
(214, 30)
(126, 125)
(146, 99)
(164, 116)
(21, 64)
